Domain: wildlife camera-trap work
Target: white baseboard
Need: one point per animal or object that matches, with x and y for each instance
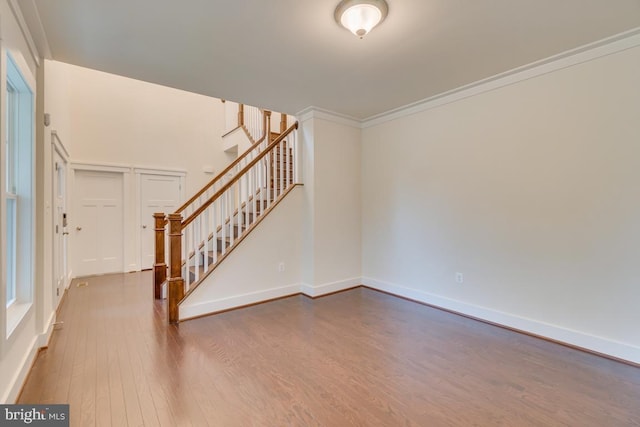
(43, 338)
(568, 336)
(236, 301)
(39, 341)
(69, 279)
(15, 383)
(328, 288)
(572, 337)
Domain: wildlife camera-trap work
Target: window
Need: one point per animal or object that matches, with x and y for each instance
(18, 194)
(10, 193)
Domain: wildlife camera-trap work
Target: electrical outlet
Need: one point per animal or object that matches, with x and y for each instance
(281, 267)
(459, 278)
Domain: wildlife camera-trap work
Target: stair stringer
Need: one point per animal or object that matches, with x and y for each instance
(238, 140)
(250, 274)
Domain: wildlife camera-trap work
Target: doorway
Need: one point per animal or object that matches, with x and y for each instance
(98, 235)
(158, 193)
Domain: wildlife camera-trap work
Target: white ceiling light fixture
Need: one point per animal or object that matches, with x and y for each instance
(360, 16)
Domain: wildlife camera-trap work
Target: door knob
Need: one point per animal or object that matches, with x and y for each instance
(144, 226)
(78, 228)
(65, 233)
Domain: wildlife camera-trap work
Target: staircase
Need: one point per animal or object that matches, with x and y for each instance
(210, 225)
(219, 243)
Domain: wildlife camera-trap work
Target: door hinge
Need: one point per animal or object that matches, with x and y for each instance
(57, 292)
(56, 228)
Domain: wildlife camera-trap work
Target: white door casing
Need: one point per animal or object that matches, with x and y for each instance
(60, 232)
(158, 193)
(98, 234)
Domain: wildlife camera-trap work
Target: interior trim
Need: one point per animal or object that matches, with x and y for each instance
(24, 29)
(608, 46)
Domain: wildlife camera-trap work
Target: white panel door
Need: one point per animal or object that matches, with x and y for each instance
(59, 227)
(158, 193)
(99, 226)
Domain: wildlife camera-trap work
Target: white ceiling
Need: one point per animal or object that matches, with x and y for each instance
(287, 55)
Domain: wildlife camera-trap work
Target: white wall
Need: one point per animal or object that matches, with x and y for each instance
(275, 121)
(57, 99)
(332, 234)
(250, 273)
(337, 234)
(110, 120)
(230, 115)
(315, 231)
(119, 120)
(18, 350)
(531, 191)
(55, 103)
(236, 142)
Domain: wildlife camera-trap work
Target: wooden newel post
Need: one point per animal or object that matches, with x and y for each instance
(240, 114)
(176, 282)
(160, 265)
(267, 125)
(283, 123)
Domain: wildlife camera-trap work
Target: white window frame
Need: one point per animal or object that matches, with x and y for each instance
(10, 195)
(18, 242)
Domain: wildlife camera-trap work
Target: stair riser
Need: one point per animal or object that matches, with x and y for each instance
(222, 244)
(235, 229)
(250, 216)
(257, 206)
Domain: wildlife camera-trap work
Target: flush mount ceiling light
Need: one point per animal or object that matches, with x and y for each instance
(360, 16)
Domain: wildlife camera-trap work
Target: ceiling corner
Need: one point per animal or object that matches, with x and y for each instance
(28, 17)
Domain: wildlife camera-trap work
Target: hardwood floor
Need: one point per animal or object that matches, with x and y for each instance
(355, 358)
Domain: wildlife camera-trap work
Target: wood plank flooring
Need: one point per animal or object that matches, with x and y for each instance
(357, 358)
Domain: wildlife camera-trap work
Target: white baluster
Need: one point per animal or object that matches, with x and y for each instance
(296, 157)
(214, 240)
(287, 166)
(268, 176)
(232, 206)
(223, 213)
(205, 247)
(281, 171)
(196, 247)
(248, 197)
(186, 248)
(260, 177)
(254, 191)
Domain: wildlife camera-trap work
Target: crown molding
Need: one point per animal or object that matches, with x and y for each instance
(24, 29)
(31, 15)
(608, 46)
(319, 113)
(569, 58)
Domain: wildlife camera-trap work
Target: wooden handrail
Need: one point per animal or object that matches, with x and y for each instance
(191, 263)
(240, 238)
(237, 176)
(228, 168)
(172, 271)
